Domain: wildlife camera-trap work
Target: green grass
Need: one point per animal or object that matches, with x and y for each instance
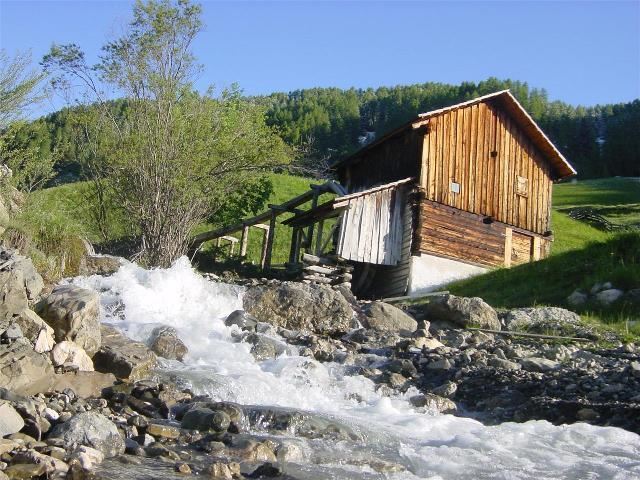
(570, 234)
(581, 256)
(605, 191)
(615, 199)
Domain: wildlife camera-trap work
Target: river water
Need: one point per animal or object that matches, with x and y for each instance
(390, 438)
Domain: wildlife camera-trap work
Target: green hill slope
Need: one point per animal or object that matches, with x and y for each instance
(581, 256)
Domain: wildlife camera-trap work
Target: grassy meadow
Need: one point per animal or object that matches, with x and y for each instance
(581, 256)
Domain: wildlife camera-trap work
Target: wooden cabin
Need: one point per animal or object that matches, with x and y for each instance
(452, 193)
(482, 175)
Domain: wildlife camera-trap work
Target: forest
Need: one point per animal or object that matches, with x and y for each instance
(326, 124)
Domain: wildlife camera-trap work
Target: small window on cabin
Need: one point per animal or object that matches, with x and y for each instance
(455, 187)
(522, 186)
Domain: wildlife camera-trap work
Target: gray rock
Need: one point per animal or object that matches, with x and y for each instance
(298, 306)
(21, 471)
(433, 403)
(13, 296)
(503, 364)
(442, 364)
(205, 420)
(69, 353)
(32, 457)
(384, 317)
(265, 347)
(242, 319)
(24, 371)
(541, 319)
(99, 265)
(10, 420)
(73, 313)
(33, 282)
(31, 324)
(633, 297)
(462, 311)
(91, 429)
(597, 287)
(607, 297)
(447, 389)
(577, 298)
(12, 332)
(165, 342)
(126, 359)
(536, 364)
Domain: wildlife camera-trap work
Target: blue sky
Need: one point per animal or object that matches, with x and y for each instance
(581, 52)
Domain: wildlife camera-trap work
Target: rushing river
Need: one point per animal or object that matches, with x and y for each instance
(387, 431)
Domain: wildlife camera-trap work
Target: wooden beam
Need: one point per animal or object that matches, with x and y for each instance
(282, 209)
(318, 249)
(508, 239)
(314, 204)
(293, 254)
(263, 257)
(269, 244)
(286, 206)
(409, 298)
(329, 237)
(536, 248)
(510, 333)
(244, 240)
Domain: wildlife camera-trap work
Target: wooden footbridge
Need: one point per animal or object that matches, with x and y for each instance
(302, 223)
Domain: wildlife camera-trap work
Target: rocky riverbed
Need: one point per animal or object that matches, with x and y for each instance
(149, 374)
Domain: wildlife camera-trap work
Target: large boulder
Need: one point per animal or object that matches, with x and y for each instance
(70, 353)
(74, 314)
(10, 420)
(541, 320)
(384, 317)
(299, 306)
(165, 342)
(91, 429)
(24, 371)
(125, 358)
(462, 312)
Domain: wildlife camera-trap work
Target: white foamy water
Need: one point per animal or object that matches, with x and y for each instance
(391, 432)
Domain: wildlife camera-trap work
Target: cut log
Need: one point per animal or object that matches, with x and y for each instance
(319, 269)
(318, 279)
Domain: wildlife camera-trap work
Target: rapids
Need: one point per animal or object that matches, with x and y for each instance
(392, 439)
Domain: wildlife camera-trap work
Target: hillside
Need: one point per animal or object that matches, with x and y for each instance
(581, 256)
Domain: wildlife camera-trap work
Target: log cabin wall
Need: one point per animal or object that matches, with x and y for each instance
(393, 159)
(448, 232)
(481, 152)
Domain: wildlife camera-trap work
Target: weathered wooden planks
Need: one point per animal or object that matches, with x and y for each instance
(483, 149)
(452, 233)
(371, 227)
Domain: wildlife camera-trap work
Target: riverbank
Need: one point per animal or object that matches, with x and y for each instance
(302, 381)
